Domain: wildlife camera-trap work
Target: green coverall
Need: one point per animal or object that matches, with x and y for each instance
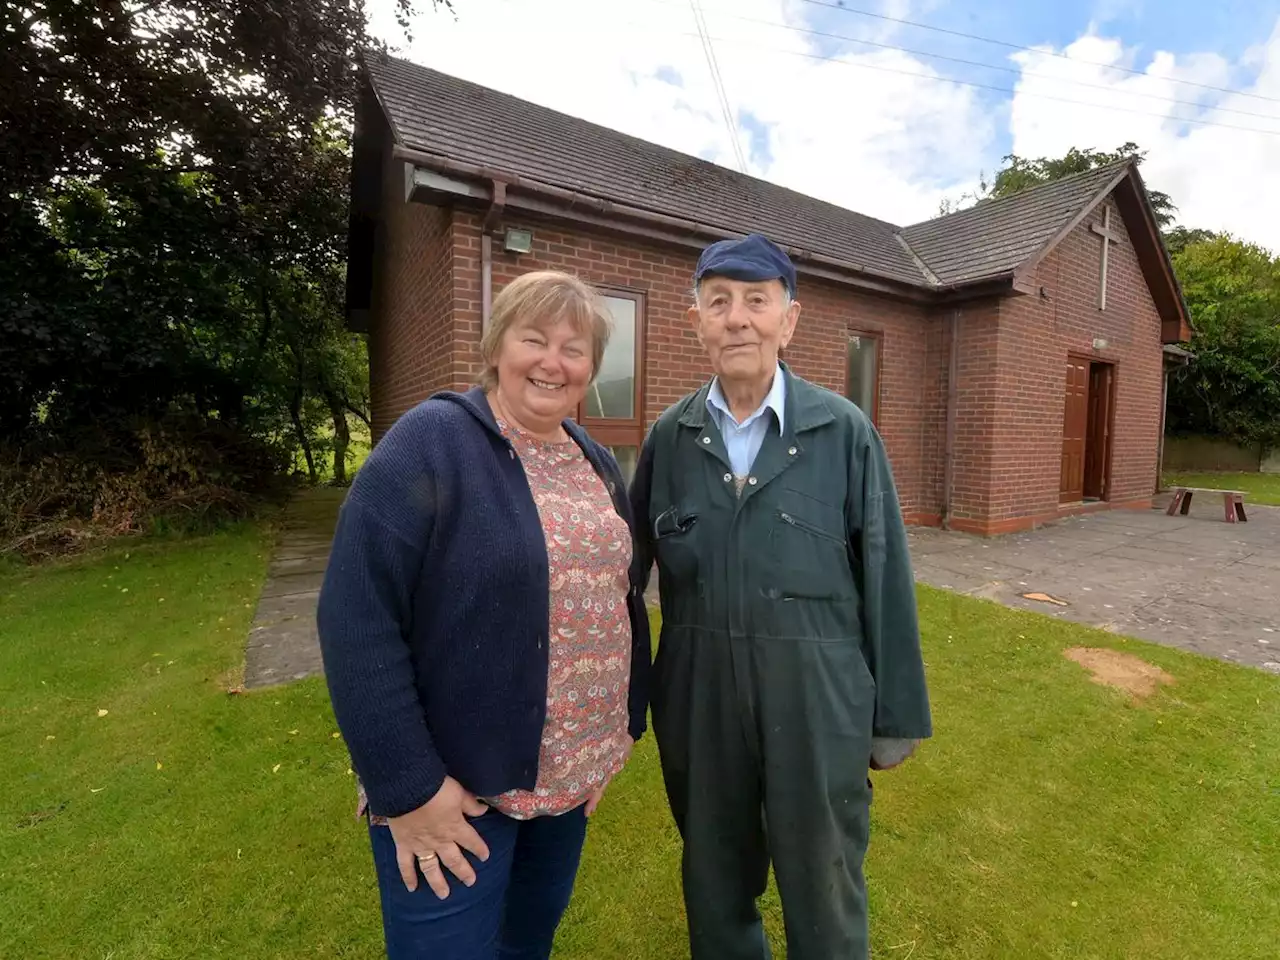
(789, 640)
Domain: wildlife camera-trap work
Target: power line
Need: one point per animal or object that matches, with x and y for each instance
(844, 8)
(975, 84)
(718, 81)
(987, 66)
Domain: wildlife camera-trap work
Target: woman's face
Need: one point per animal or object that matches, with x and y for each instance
(543, 371)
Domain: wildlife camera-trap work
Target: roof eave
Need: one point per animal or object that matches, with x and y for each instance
(466, 182)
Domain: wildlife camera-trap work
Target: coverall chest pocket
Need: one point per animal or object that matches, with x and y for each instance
(808, 549)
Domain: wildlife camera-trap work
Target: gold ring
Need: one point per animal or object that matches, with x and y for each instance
(427, 858)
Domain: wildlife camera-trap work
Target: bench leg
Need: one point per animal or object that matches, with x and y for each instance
(1229, 507)
(1239, 505)
(1186, 502)
(1175, 503)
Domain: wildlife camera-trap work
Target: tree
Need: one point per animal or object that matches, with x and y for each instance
(173, 210)
(1232, 386)
(1019, 173)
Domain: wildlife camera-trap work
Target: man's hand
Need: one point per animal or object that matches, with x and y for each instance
(593, 800)
(887, 753)
(435, 835)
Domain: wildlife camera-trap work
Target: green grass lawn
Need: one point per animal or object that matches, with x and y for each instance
(1258, 487)
(1049, 818)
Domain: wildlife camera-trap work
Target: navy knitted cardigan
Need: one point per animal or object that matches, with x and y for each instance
(433, 614)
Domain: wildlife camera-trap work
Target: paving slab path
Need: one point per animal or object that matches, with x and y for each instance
(283, 644)
(1192, 582)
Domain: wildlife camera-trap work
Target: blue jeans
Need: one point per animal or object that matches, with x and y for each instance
(513, 910)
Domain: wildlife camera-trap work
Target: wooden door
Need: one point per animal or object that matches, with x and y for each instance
(1075, 422)
(1097, 448)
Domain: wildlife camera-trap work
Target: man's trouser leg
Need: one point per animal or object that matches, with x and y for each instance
(815, 720)
(713, 786)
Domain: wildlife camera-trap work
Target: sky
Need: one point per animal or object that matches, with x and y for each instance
(891, 107)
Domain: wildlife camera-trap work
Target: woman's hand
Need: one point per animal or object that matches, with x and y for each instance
(435, 835)
(593, 800)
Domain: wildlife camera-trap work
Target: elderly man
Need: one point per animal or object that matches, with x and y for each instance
(789, 662)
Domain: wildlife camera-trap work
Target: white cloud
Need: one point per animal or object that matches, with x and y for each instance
(864, 133)
(1222, 176)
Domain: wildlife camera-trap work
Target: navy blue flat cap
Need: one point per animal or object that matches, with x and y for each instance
(752, 258)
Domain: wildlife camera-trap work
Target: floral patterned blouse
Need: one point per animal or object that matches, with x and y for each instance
(589, 553)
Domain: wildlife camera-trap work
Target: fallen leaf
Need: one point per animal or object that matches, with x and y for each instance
(103, 713)
(1045, 598)
(293, 733)
(96, 789)
(276, 768)
(335, 734)
(51, 737)
(159, 765)
(162, 599)
(124, 589)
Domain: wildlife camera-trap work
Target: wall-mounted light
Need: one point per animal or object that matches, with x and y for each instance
(517, 241)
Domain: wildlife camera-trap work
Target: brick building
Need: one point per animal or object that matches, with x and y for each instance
(1012, 355)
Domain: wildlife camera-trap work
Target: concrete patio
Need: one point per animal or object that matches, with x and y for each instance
(1192, 582)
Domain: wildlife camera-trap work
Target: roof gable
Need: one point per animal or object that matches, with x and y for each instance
(996, 237)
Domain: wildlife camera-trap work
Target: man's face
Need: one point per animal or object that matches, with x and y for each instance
(742, 325)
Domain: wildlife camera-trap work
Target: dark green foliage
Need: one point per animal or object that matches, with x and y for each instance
(173, 210)
(1232, 386)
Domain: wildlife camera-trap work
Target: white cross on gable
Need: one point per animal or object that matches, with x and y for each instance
(1108, 238)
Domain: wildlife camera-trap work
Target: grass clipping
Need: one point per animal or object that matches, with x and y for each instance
(1124, 671)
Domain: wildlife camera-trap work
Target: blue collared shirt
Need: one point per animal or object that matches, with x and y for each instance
(743, 440)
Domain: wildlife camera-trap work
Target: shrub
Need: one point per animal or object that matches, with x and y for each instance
(178, 475)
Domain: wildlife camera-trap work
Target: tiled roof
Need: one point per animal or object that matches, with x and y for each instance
(440, 114)
(995, 236)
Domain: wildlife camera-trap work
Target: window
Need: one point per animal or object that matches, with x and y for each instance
(613, 409)
(863, 381)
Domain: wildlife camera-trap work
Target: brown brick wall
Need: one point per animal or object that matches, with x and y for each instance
(1012, 354)
(410, 347)
(674, 363)
(910, 387)
(977, 406)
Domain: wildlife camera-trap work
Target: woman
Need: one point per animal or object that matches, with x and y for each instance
(485, 645)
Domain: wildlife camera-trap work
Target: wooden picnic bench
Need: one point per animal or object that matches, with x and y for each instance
(1232, 502)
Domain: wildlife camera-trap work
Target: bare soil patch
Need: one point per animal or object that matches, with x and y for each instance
(1121, 670)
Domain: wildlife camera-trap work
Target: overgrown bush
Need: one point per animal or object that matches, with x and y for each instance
(180, 474)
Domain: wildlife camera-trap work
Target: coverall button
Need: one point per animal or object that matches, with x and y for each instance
(706, 439)
(792, 451)
(728, 477)
(751, 480)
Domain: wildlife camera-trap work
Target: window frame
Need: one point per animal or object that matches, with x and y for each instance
(616, 431)
(878, 337)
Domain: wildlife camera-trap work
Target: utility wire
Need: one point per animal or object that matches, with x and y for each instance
(844, 8)
(718, 81)
(992, 66)
(972, 83)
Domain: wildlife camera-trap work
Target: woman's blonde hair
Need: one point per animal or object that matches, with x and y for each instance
(545, 297)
